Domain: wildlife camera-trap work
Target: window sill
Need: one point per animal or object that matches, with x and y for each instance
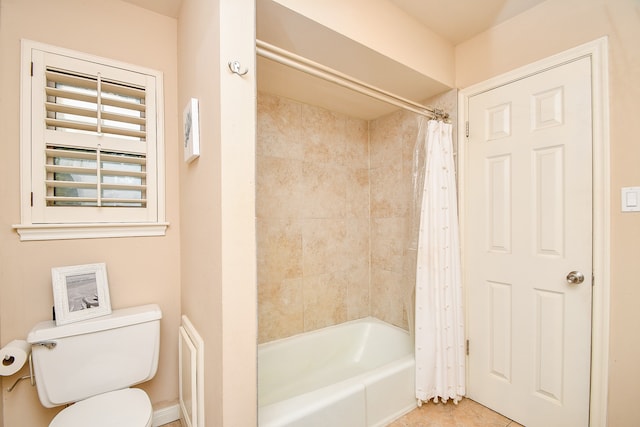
(29, 232)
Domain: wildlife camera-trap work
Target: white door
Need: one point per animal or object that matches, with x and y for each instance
(528, 225)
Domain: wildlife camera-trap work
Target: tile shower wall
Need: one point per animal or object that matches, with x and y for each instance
(392, 139)
(333, 214)
(312, 217)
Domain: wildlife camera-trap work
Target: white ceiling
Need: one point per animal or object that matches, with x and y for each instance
(454, 20)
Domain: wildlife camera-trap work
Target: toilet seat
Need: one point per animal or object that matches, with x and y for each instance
(129, 407)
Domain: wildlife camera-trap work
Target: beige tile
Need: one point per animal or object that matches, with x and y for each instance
(358, 291)
(388, 297)
(279, 248)
(466, 413)
(323, 135)
(385, 142)
(356, 149)
(279, 190)
(352, 170)
(409, 139)
(411, 196)
(357, 193)
(325, 297)
(473, 414)
(279, 123)
(387, 243)
(388, 192)
(410, 259)
(280, 311)
(311, 199)
(323, 246)
(323, 191)
(355, 246)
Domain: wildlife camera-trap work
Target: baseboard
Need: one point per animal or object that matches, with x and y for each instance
(166, 415)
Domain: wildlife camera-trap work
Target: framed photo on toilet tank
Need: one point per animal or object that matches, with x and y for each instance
(80, 292)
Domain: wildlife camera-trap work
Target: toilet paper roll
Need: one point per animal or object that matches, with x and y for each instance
(13, 357)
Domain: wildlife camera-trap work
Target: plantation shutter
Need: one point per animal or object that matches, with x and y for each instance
(90, 177)
(94, 178)
(98, 106)
(94, 125)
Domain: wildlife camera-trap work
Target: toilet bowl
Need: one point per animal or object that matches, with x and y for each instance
(93, 365)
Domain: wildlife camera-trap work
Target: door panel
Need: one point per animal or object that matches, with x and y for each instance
(528, 223)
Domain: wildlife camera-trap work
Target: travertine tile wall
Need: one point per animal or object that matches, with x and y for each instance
(392, 139)
(312, 206)
(333, 210)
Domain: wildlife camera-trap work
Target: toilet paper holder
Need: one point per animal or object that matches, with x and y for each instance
(30, 376)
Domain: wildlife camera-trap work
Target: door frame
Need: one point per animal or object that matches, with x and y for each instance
(598, 51)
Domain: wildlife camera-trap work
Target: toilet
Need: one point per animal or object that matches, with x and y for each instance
(93, 364)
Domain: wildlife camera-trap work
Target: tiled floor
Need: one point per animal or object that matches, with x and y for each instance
(467, 413)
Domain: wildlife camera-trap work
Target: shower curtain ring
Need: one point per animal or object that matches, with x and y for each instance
(234, 66)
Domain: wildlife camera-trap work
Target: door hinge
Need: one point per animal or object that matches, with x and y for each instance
(31, 68)
(32, 199)
(467, 348)
(466, 129)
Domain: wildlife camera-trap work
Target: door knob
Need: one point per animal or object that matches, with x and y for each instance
(575, 278)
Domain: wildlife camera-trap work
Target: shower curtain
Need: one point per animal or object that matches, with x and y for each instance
(439, 323)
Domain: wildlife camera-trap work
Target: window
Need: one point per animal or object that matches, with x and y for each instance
(92, 147)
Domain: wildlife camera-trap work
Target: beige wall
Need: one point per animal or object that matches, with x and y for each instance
(552, 27)
(218, 283)
(238, 154)
(198, 68)
(334, 205)
(140, 270)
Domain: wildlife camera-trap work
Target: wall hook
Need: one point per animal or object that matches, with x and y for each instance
(235, 66)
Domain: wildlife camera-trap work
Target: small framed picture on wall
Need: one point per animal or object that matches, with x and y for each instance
(80, 292)
(191, 127)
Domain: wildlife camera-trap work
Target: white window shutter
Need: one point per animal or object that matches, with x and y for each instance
(95, 147)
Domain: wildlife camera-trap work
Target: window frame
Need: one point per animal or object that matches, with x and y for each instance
(39, 222)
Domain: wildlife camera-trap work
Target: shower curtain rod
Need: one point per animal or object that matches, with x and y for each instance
(305, 65)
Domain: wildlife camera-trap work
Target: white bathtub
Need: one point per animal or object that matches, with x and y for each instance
(359, 373)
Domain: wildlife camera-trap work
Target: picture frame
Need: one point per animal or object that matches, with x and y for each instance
(80, 292)
(191, 127)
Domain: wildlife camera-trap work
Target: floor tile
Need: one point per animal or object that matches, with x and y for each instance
(466, 413)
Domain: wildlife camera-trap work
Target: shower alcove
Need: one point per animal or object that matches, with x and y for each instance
(333, 179)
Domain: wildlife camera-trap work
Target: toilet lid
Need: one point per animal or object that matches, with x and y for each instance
(129, 407)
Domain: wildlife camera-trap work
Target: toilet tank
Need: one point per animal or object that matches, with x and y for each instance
(78, 360)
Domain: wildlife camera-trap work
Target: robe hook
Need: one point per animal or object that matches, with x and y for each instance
(234, 66)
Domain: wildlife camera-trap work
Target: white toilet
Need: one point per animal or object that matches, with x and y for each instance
(93, 363)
